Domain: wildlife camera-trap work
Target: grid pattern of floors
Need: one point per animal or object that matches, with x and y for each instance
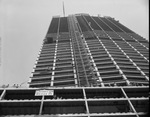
(95, 67)
(76, 102)
(131, 60)
(55, 64)
(82, 50)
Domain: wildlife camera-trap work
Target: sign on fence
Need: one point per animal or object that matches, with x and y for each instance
(44, 93)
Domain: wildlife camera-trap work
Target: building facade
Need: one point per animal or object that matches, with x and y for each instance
(83, 50)
(90, 66)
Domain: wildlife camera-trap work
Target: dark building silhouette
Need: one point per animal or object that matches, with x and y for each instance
(92, 66)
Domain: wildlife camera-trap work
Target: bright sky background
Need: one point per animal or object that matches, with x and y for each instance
(24, 23)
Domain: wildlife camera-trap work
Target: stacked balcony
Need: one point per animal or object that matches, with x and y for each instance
(43, 71)
(54, 65)
(108, 71)
(64, 74)
(130, 55)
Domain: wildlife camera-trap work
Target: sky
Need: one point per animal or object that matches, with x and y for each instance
(24, 24)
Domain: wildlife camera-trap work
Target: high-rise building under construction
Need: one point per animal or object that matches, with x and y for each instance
(93, 66)
(82, 50)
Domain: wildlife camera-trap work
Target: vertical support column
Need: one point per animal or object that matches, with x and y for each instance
(41, 106)
(94, 65)
(73, 65)
(86, 103)
(54, 64)
(3, 94)
(130, 104)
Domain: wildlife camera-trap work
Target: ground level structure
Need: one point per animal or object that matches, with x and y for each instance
(75, 102)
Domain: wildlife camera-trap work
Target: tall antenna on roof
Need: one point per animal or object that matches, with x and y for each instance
(63, 9)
